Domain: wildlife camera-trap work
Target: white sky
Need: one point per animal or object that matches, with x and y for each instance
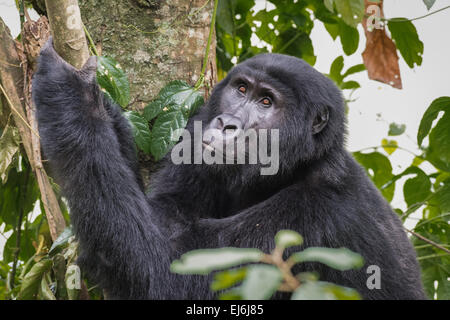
(420, 85)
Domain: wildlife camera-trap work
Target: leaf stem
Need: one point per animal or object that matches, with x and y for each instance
(91, 42)
(201, 80)
(21, 13)
(417, 18)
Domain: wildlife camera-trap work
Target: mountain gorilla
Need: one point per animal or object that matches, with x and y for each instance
(128, 238)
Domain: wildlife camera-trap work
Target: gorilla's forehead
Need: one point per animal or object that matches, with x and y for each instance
(287, 71)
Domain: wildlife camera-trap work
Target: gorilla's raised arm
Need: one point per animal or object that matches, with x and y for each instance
(80, 132)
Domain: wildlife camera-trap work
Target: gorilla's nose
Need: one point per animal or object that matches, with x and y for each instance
(224, 127)
(227, 123)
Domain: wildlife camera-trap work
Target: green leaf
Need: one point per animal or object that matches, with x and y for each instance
(288, 238)
(154, 108)
(261, 282)
(350, 85)
(45, 293)
(396, 129)
(434, 264)
(319, 290)
(9, 146)
(349, 38)
(437, 273)
(389, 145)
(295, 43)
(333, 29)
(62, 241)
(26, 246)
(352, 11)
(204, 261)
(176, 95)
(141, 132)
(379, 169)
(225, 279)
(340, 259)
(417, 189)
(32, 280)
(336, 68)
(113, 80)
(438, 151)
(59, 272)
(175, 103)
(166, 132)
(429, 3)
(329, 4)
(337, 77)
(232, 294)
(354, 69)
(439, 104)
(404, 33)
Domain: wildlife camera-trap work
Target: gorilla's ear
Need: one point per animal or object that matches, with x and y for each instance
(321, 119)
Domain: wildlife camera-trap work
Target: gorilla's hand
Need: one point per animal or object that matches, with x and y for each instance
(56, 82)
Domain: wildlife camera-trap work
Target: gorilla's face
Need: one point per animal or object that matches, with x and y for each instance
(247, 104)
(284, 93)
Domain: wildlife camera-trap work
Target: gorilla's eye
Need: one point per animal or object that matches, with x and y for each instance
(242, 88)
(266, 102)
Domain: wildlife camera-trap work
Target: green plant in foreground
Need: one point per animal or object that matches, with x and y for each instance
(255, 275)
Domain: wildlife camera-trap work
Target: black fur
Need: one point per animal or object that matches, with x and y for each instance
(128, 239)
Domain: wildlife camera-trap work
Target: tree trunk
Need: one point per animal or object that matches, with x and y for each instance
(155, 41)
(65, 21)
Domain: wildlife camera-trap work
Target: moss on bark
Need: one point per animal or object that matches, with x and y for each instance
(154, 41)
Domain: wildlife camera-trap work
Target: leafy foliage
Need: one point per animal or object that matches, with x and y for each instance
(141, 132)
(266, 274)
(338, 76)
(407, 40)
(113, 80)
(396, 129)
(175, 103)
(429, 3)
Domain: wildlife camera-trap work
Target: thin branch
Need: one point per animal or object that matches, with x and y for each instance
(22, 13)
(388, 146)
(91, 42)
(17, 112)
(418, 18)
(428, 241)
(436, 255)
(208, 46)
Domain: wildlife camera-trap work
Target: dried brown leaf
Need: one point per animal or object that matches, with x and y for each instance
(380, 56)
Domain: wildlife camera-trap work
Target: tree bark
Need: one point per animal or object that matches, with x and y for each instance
(13, 77)
(155, 41)
(67, 30)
